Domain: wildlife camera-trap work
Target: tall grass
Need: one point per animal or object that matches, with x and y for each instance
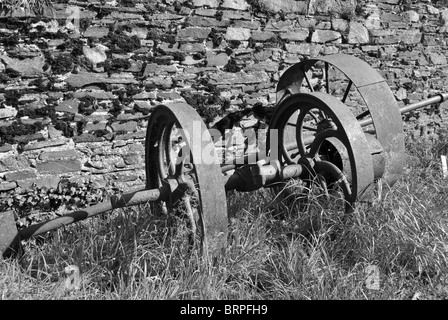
(277, 249)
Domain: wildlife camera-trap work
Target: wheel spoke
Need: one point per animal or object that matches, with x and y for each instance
(362, 115)
(313, 116)
(347, 90)
(309, 128)
(295, 155)
(308, 81)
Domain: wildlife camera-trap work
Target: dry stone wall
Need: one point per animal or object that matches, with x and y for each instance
(78, 81)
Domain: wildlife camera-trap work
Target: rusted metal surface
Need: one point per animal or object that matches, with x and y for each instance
(413, 106)
(378, 97)
(347, 131)
(255, 176)
(388, 127)
(207, 172)
(114, 202)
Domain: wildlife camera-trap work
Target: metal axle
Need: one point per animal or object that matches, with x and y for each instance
(251, 178)
(440, 97)
(114, 202)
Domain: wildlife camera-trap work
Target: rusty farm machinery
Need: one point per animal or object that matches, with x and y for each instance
(336, 123)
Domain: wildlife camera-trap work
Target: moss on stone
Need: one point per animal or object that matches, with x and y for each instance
(87, 105)
(33, 113)
(232, 66)
(216, 37)
(179, 56)
(17, 128)
(12, 98)
(205, 104)
(114, 65)
(122, 43)
(132, 89)
(10, 40)
(61, 64)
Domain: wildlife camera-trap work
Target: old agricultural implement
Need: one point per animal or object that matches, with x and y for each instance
(336, 123)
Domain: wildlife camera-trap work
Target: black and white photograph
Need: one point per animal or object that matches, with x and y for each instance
(223, 157)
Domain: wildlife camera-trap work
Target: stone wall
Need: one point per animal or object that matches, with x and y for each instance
(78, 81)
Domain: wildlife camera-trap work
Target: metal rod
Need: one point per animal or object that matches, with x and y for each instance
(436, 99)
(347, 90)
(362, 115)
(308, 81)
(124, 200)
(245, 179)
(363, 123)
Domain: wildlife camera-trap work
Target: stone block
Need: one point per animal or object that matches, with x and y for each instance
(324, 36)
(59, 167)
(262, 36)
(20, 175)
(130, 126)
(217, 60)
(132, 158)
(96, 32)
(45, 144)
(235, 4)
(295, 35)
(27, 68)
(437, 59)
(194, 33)
(208, 3)
(57, 155)
(240, 34)
(358, 33)
(7, 112)
(6, 186)
(14, 163)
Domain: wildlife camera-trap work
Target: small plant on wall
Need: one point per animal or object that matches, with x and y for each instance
(35, 6)
(347, 10)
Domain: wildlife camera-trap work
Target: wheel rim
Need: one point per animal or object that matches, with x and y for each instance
(162, 164)
(336, 126)
(373, 95)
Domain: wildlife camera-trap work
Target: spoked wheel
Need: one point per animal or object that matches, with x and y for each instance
(179, 150)
(321, 133)
(359, 86)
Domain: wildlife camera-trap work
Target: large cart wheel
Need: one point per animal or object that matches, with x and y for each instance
(330, 143)
(355, 83)
(179, 146)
